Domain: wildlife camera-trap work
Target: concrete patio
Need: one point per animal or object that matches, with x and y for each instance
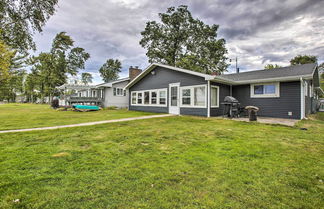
(268, 120)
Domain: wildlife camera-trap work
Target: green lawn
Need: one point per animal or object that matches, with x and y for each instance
(16, 116)
(175, 162)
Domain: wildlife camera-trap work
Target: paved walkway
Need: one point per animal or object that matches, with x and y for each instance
(87, 124)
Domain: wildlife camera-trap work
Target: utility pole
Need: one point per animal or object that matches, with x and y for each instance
(237, 69)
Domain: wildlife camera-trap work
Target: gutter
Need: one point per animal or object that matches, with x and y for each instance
(302, 99)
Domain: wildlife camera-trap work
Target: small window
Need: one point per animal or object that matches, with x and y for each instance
(265, 90)
(186, 96)
(146, 97)
(119, 92)
(162, 97)
(134, 99)
(139, 97)
(214, 96)
(258, 89)
(153, 97)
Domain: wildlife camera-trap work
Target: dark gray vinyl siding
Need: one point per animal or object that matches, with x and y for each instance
(150, 109)
(289, 100)
(224, 90)
(193, 111)
(161, 79)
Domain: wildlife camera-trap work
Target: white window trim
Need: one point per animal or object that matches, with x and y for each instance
(150, 101)
(217, 87)
(192, 96)
(276, 94)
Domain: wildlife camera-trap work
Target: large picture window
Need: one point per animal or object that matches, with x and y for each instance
(265, 90)
(156, 97)
(214, 97)
(193, 96)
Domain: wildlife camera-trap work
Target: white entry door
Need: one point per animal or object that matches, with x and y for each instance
(174, 98)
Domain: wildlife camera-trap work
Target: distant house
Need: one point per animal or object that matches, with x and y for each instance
(105, 94)
(288, 92)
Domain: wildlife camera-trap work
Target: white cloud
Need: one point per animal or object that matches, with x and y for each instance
(258, 32)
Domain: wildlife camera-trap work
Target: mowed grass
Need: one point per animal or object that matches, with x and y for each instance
(175, 162)
(18, 116)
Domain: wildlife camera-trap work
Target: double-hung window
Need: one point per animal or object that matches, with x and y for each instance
(193, 96)
(153, 97)
(162, 97)
(265, 90)
(139, 97)
(134, 98)
(214, 97)
(146, 97)
(186, 96)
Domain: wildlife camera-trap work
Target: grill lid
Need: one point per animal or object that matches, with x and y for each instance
(230, 99)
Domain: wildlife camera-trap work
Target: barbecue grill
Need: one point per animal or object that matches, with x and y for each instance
(232, 107)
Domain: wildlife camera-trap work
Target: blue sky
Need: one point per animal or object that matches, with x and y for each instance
(258, 32)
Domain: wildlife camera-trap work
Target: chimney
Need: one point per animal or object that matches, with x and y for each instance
(133, 72)
(216, 73)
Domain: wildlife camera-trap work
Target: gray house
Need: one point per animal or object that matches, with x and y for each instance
(288, 92)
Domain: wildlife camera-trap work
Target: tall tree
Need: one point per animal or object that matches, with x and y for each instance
(5, 61)
(182, 41)
(52, 68)
(110, 70)
(271, 66)
(86, 78)
(20, 19)
(303, 59)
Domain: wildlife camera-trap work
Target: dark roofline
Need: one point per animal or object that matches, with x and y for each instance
(271, 79)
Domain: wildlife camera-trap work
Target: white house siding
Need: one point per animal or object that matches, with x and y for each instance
(118, 101)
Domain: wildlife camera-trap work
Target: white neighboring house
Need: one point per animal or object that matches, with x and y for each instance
(105, 94)
(114, 93)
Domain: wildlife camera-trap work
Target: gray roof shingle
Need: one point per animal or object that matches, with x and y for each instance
(291, 71)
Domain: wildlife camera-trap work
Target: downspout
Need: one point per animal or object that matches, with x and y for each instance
(302, 99)
(208, 98)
